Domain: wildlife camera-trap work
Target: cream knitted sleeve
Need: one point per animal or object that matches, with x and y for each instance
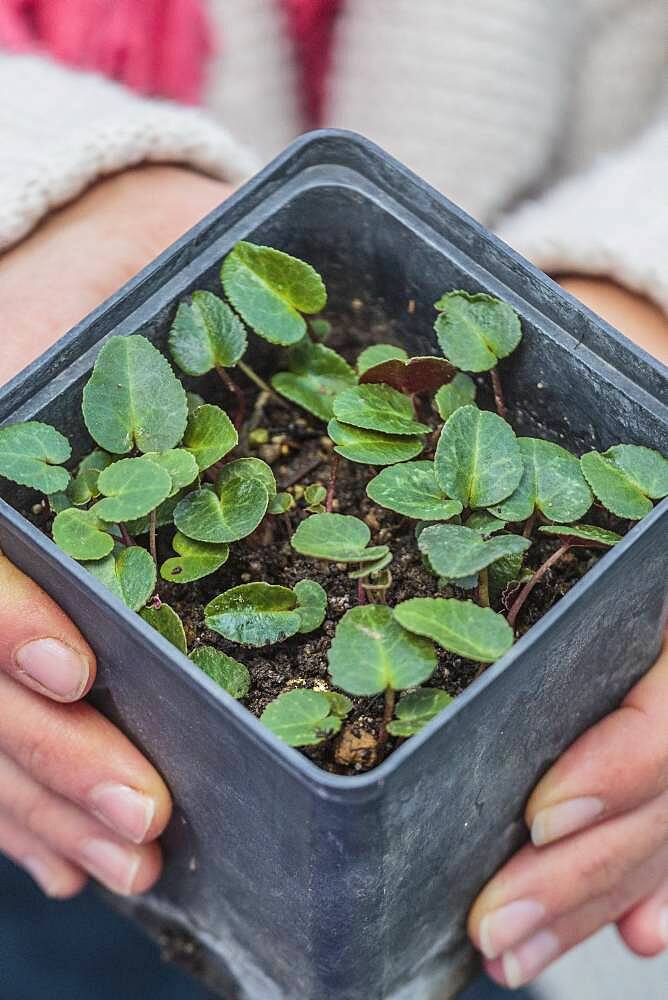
(60, 130)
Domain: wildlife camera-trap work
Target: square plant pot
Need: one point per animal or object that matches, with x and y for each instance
(282, 880)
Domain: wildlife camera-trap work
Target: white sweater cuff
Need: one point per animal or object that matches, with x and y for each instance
(62, 130)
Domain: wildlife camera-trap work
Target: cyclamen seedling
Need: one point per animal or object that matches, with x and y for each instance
(168, 466)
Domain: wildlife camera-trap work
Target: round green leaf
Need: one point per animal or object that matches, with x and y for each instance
(254, 614)
(131, 487)
(82, 534)
(179, 463)
(166, 621)
(223, 669)
(460, 392)
(206, 334)
(371, 652)
(339, 704)
(411, 489)
(454, 551)
(129, 573)
(248, 468)
(337, 537)
(210, 434)
(377, 408)
(484, 522)
(474, 331)
(84, 485)
(625, 477)
(270, 289)
(315, 494)
(551, 482)
(377, 354)
(232, 515)
(420, 374)
(315, 375)
(30, 454)
(478, 459)
(301, 718)
(281, 503)
(461, 627)
(416, 709)
(134, 398)
(584, 532)
(311, 604)
(372, 447)
(195, 560)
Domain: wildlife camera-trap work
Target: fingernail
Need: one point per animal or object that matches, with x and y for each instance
(127, 811)
(54, 665)
(567, 817)
(524, 963)
(503, 928)
(663, 925)
(46, 879)
(110, 864)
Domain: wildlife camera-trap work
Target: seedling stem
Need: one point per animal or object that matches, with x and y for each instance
(530, 584)
(498, 393)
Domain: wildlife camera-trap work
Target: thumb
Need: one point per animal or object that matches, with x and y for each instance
(39, 645)
(616, 766)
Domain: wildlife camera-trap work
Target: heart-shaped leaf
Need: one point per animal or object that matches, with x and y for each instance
(314, 497)
(337, 537)
(478, 459)
(420, 374)
(625, 477)
(416, 709)
(248, 468)
(484, 522)
(270, 290)
(311, 604)
(195, 560)
(583, 533)
(377, 408)
(82, 534)
(460, 392)
(206, 334)
(131, 488)
(455, 551)
(84, 485)
(210, 435)
(315, 375)
(134, 398)
(461, 627)
(411, 489)
(371, 652)
(551, 482)
(129, 573)
(372, 447)
(223, 669)
(234, 514)
(166, 621)
(301, 718)
(254, 614)
(474, 331)
(30, 455)
(179, 463)
(376, 354)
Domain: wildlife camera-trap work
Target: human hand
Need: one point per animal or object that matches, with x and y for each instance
(599, 851)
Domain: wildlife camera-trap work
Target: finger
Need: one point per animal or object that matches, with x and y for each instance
(54, 875)
(73, 834)
(644, 929)
(39, 645)
(75, 751)
(617, 765)
(538, 886)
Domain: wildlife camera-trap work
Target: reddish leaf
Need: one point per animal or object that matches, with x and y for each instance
(415, 375)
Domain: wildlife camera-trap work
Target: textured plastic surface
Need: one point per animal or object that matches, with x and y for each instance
(293, 882)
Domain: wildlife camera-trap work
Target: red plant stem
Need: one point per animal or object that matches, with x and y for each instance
(151, 536)
(498, 393)
(361, 592)
(229, 382)
(530, 584)
(388, 712)
(125, 535)
(333, 470)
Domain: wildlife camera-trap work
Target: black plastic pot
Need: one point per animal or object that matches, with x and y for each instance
(293, 882)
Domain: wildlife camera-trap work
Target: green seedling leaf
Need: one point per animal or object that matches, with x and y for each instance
(248, 468)
(206, 334)
(411, 489)
(475, 331)
(315, 496)
(164, 515)
(625, 478)
(320, 328)
(233, 514)
(371, 568)
(30, 455)
(134, 398)
(372, 447)
(270, 290)
(377, 408)
(131, 488)
(194, 402)
(460, 392)
(503, 572)
(377, 354)
(82, 534)
(339, 704)
(311, 604)
(209, 436)
(255, 614)
(223, 669)
(478, 459)
(84, 485)
(421, 374)
(336, 537)
(454, 551)
(301, 718)
(461, 627)
(281, 503)
(59, 502)
(315, 375)
(551, 482)
(166, 621)
(129, 573)
(416, 709)
(583, 532)
(195, 560)
(371, 652)
(484, 522)
(179, 463)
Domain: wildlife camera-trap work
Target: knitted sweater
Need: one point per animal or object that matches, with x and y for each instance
(547, 120)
